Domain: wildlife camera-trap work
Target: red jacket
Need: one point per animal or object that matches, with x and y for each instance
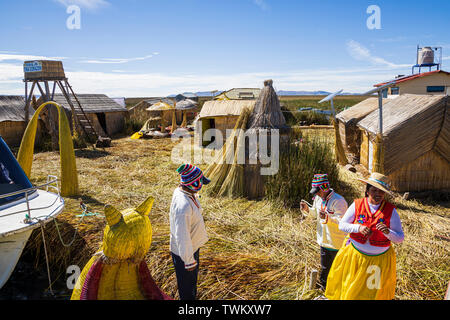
(364, 216)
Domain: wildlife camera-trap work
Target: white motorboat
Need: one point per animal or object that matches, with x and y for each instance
(23, 208)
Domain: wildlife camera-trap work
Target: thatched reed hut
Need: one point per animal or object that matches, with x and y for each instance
(12, 119)
(221, 115)
(415, 144)
(106, 115)
(266, 115)
(349, 133)
(139, 111)
(245, 176)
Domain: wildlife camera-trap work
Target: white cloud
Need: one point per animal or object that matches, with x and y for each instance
(262, 4)
(158, 84)
(361, 53)
(117, 60)
(121, 82)
(24, 57)
(87, 4)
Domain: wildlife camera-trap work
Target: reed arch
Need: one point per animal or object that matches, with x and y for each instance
(69, 178)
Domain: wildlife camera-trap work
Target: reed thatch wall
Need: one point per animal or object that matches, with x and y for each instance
(224, 113)
(12, 132)
(429, 172)
(348, 130)
(12, 120)
(416, 130)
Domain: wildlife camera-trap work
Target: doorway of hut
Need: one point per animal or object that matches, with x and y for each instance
(208, 123)
(102, 120)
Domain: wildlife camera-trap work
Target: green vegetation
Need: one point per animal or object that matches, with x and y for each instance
(303, 157)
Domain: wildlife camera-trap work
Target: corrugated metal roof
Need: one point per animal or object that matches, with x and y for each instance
(411, 77)
(243, 93)
(12, 108)
(91, 103)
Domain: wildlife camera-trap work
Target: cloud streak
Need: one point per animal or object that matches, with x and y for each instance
(361, 53)
(118, 60)
(262, 4)
(87, 4)
(24, 57)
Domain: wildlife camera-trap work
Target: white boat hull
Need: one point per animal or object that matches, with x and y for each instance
(11, 248)
(14, 232)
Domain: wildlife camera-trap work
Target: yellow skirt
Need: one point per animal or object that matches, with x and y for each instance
(358, 276)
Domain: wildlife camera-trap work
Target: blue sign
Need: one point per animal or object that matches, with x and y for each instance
(34, 66)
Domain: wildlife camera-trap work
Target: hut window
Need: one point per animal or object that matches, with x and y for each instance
(395, 90)
(435, 88)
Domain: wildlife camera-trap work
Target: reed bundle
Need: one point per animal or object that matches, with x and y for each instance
(227, 179)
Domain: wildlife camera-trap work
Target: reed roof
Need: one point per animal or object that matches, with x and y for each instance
(91, 103)
(359, 110)
(12, 108)
(267, 111)
(224, 108)
(412, 125)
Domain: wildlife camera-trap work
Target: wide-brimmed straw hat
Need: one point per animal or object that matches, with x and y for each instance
(379, 181)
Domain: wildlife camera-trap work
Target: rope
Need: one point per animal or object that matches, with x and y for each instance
(46, 258)
(85, 213)
(28, 219)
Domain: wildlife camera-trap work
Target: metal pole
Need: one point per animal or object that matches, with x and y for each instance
(332, 109)
(380, 111)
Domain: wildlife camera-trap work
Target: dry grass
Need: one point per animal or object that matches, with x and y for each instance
(256, 250)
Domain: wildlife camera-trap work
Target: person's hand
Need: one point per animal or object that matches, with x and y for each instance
(322, 214)
(382, 227)
(365, 231)
(304, 206)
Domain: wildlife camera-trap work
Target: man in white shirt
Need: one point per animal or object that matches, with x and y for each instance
(187, 229)
(328, 207)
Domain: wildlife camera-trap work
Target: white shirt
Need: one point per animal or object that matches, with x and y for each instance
(328, 234)
(187, 228)
(396, 234)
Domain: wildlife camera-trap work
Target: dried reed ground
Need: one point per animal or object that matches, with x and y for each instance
(255, 251)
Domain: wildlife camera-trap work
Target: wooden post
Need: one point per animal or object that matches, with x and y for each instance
(313, 279)
(27, 114)
(75, 124)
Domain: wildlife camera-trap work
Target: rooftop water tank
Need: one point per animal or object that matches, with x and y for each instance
(425, 56)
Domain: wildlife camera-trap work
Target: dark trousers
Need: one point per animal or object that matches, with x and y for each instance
(326, 260)
(186, 280)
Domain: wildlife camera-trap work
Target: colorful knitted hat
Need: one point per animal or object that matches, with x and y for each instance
(320, 182)
(192, 177)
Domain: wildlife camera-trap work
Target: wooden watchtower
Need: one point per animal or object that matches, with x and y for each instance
(41, 74)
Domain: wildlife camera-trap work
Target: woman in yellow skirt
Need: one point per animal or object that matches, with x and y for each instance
(364, 268)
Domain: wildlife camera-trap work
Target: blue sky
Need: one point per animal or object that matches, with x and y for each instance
(160, 47)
